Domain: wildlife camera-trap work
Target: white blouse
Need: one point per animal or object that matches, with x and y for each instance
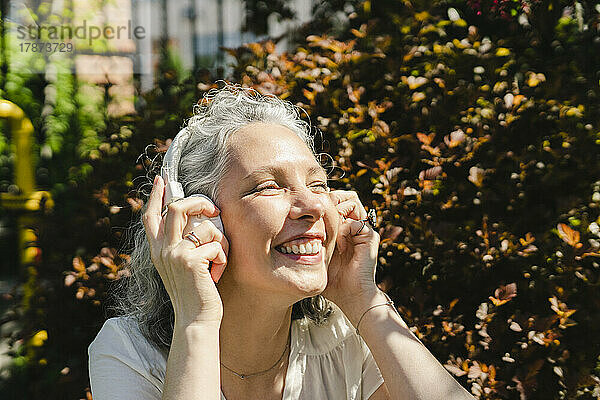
(327, 362)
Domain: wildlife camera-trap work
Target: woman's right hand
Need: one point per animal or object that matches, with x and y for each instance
(182, 266)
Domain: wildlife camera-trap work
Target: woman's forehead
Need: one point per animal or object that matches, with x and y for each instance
(262, 133)
(281, 168)
(261, 149)
(260, 144)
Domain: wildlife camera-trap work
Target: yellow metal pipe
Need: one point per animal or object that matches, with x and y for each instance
(22, 134)
(26, 204)
(28, 201)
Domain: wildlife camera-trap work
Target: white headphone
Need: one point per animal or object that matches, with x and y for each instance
(169, 172)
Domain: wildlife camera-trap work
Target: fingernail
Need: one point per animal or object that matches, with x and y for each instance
(155, 180)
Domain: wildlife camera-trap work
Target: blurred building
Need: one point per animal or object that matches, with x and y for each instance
(114, 42)
(108, 61)
(197, 28)
(194, 30)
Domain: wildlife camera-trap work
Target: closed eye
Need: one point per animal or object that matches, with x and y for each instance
(320, 186)
(266, 186)
(323, 185)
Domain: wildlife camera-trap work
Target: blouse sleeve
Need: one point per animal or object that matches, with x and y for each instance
(117, 369)
(371, 375)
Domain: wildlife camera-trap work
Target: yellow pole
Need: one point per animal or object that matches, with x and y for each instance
(22, 134)
(28, 201)
(26, 204)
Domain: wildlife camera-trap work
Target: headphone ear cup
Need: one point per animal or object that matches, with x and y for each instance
(173, 190)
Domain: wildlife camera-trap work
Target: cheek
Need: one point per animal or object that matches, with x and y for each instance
(259, 222)
(267, 215)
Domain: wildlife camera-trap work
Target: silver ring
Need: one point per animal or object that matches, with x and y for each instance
(193, 238)
(364, 222)
(371, 220)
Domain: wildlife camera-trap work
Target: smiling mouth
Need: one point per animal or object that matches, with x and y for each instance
(306, 259)
(303, 248)
(308, 252)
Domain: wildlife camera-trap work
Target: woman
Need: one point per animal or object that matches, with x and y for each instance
(277, 324)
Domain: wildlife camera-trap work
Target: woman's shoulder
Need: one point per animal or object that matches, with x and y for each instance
(122, 338)
(335, 333)
(118, 328)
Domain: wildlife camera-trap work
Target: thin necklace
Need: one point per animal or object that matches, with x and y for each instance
(244, 376)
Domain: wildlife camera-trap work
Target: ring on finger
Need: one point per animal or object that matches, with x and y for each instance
(371, 220)
(364, 222)
(193, 238)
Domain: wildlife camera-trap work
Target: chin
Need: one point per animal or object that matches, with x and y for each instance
(309, 286)
(319, 289)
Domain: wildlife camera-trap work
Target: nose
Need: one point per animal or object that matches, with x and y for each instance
(307, 204)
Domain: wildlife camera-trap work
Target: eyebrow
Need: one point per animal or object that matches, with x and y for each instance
(274, 168)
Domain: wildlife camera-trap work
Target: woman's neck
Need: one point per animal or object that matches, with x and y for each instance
(254, 331)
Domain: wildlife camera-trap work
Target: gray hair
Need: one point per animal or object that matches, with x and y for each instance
(203, 164)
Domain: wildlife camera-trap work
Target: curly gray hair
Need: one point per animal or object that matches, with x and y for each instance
(224, 111)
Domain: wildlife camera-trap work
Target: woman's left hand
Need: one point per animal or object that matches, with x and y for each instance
(351, 271)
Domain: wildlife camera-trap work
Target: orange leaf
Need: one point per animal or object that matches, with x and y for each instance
(426, 184)
(570, 236)
(78, 264)
(590, 255)
(433, 151)
(452, 304)
(455, 138)
(358, 33)
(529, 238)
(504, 294)
(431, 173)
(446, 327)
(308, 94)
(476, 176)
(270, 47)
(498, 302)
(492, 374)
(425, 139)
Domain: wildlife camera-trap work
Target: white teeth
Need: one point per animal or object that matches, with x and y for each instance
(305, 248)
